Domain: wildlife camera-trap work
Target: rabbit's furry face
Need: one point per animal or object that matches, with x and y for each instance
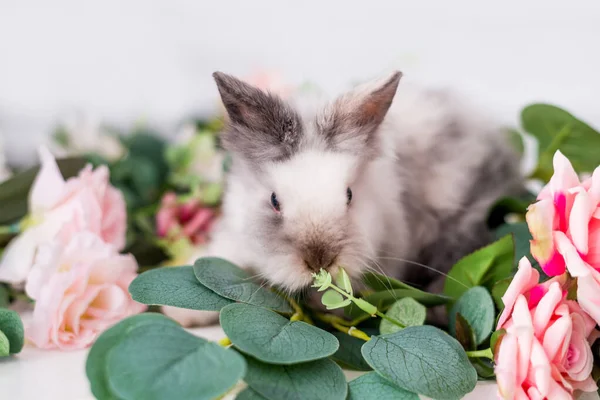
(305, 184)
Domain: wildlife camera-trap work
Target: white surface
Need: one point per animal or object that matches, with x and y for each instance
(53, 375)
(123, 61)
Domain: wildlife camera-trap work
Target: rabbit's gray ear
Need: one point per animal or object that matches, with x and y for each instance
(261, 126)
(350, 123)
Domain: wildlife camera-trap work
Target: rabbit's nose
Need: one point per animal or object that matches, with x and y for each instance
(317, 257)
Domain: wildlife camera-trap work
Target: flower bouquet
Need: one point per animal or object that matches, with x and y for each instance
(106, 235)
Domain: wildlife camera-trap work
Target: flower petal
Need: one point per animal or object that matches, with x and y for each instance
(579, 219)
(48, 185)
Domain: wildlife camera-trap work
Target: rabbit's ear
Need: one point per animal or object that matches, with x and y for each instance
(261, 126)
(350, 123)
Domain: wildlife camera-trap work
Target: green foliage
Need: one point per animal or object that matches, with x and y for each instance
(498, 291)
(249, 394)
(484, 267)
(274, 339)
(463, 332)
(332, 300)
(424, 360)
(477, 308)
(4, 345)
(557, 129)
(348, 355)
(521, 237)
(11, 327)
(142, 356)
(4, 295)
(14, 192)
(315, 380)
(234, 283)
(388, 290)
(177, 287)
(96, 363)
(371, 386)
(408, 311)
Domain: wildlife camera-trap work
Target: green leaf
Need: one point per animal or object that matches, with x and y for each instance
(342, 280)
(4, 345)
(95, 366)
(332, 300)
(249, 394)
(397, 290)
(516, 140)
(274, 339)
(348, 355)
(477, 307)
(12, 327)
(424, 360)
(384, 299)
(496, 338)
(234, 283)
(484, 368)
(484, 267)
(315, 380)
(464, 333)
(163, 361)
(371, 386)
(498, 291)
(177, 287)
(14, 192)
(521, 236)
(408, 311)
(557, 129)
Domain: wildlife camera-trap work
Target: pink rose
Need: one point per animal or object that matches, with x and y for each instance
(565, 225)
(81, 288)
(86, 202)
(546, 351)
(190, 220)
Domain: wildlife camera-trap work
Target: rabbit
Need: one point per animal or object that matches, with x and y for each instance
(399, 183)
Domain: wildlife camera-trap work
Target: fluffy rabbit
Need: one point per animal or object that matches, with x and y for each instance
(373, 179)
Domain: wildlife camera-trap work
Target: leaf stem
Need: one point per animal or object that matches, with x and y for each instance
(334, 321)
(390, 319)
(487, 353)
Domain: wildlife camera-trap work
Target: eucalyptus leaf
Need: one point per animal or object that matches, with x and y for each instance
(315, 380)
(477, 307)
(332, 300)
(4, 345)
(95, 366)
(272, 338)
(164, 361)
(464, 333)
(424, 360)
(557, 129)
(234, 283)
(348, 355)
(371, 386)
(407, 311)
(12, 327)
(484, 267)
(177, 287)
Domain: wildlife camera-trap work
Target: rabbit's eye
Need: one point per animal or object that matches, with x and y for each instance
(275, 202)
(349, 195)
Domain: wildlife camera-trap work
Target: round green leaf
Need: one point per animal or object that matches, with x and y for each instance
(166, 362)
(4, 345)
(477, 307)
(424, 360)
(177, 287)
(408, 311)
(371, 386)
(95, 366)
(12, 327)
(332, 300)
(234, 283)
(464, 333)
(315, 380)
(348, 355)
(272, 338)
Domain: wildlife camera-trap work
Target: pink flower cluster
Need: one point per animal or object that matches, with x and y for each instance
(189, 220)
(73, 269)
(546, 350)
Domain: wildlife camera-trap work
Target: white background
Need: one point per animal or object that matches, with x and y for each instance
(126, 60)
